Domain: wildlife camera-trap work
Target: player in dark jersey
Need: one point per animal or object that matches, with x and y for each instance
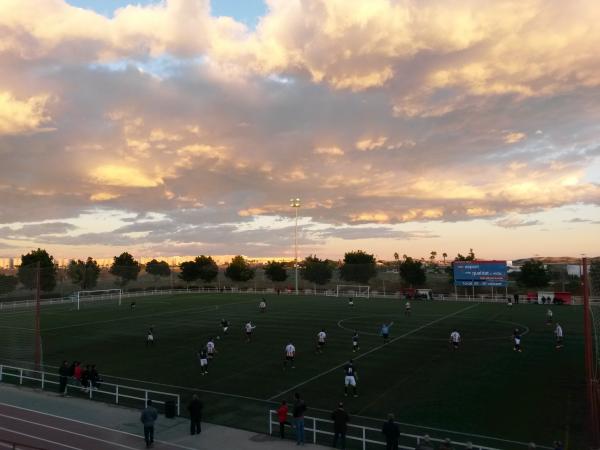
(350, 301)
(355, 344)
(350, 378)
(203, 359)
(225, 326)
(517, 341)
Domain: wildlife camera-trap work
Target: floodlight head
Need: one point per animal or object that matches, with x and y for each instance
(295, 202)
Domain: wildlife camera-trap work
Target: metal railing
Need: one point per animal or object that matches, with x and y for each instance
(369, 437)
(480, 298)
(103, 390)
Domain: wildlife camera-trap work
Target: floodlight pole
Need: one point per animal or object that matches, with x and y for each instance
(295, 203)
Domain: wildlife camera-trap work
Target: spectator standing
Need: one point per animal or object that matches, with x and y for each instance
(282, 413)
(340, 425)
(424, 444)
(149, 416)
(94, 377)
(299, 410)
(195, 409)
(77, 373)
(63, 376)
(85, 378)
(391, 431)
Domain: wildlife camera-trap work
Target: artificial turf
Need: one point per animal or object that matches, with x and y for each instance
(483, 388)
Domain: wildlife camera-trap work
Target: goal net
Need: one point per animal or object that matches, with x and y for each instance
(352, 290)
(102, 296)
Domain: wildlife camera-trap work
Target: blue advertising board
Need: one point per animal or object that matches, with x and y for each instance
(480, 273)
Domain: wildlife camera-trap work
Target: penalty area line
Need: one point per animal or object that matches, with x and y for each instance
(379, 347)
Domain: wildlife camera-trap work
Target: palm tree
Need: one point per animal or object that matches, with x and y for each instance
(433, 255)
(444, 255)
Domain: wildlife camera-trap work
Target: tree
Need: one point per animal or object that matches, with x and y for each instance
(573, 284)
(207, 268)
(412, 272)
(595, 276)
(450, 269)
(27, 272)
(358, 266)
(189, 271)
(432, 256)
(85, 274)
(315, 270)
(8, 283)
(125, 267)
(534, 274)
(158, 269)
(239, 269)
(275, 271)
(444, 255)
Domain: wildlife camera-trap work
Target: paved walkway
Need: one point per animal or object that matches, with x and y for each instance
(48, 421)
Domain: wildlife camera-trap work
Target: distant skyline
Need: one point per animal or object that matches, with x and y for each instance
(183, 127)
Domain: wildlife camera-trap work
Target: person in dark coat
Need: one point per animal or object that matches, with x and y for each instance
(340, 425)
(148, 417)
(63, 375)
(195, 409)
(391, 431)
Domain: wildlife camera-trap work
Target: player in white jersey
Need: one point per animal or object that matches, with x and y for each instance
(211, 350)
(321, 338)
(407, 308)
(558, 332)
(455, 339)
(290, 354)
(150, 337)
(262, 306)
(350, 377)
(549, 316)
(249, 328)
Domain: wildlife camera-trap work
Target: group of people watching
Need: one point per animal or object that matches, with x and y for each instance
(85, 378)
(340, 419)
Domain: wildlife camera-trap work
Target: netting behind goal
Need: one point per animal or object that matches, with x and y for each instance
(84, 299)
(352, 290)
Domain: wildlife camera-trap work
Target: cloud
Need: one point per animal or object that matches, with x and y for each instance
(329, 151)
(515, 222)
(371, 144)
(37, 230)
(373, 113)
(22, 116)
(514, 137)
(113, 175)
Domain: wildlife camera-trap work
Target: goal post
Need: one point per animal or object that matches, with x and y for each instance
(98, 295)
(352, 290)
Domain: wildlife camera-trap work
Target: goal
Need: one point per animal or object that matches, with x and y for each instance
(351, 290)
(99, 295)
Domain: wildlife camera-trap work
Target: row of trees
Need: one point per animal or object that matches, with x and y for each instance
(357, 267)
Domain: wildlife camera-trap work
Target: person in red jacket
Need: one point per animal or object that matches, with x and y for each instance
(77, 371)
(282, 413)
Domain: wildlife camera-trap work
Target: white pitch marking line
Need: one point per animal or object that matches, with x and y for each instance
(39, 438)
(66, 431)
(133, 316)
(92, 425)
(371, 351)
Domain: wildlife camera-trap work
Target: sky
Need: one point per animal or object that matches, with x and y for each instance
(183, 127)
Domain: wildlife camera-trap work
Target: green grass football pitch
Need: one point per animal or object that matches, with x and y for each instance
(485, 388)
